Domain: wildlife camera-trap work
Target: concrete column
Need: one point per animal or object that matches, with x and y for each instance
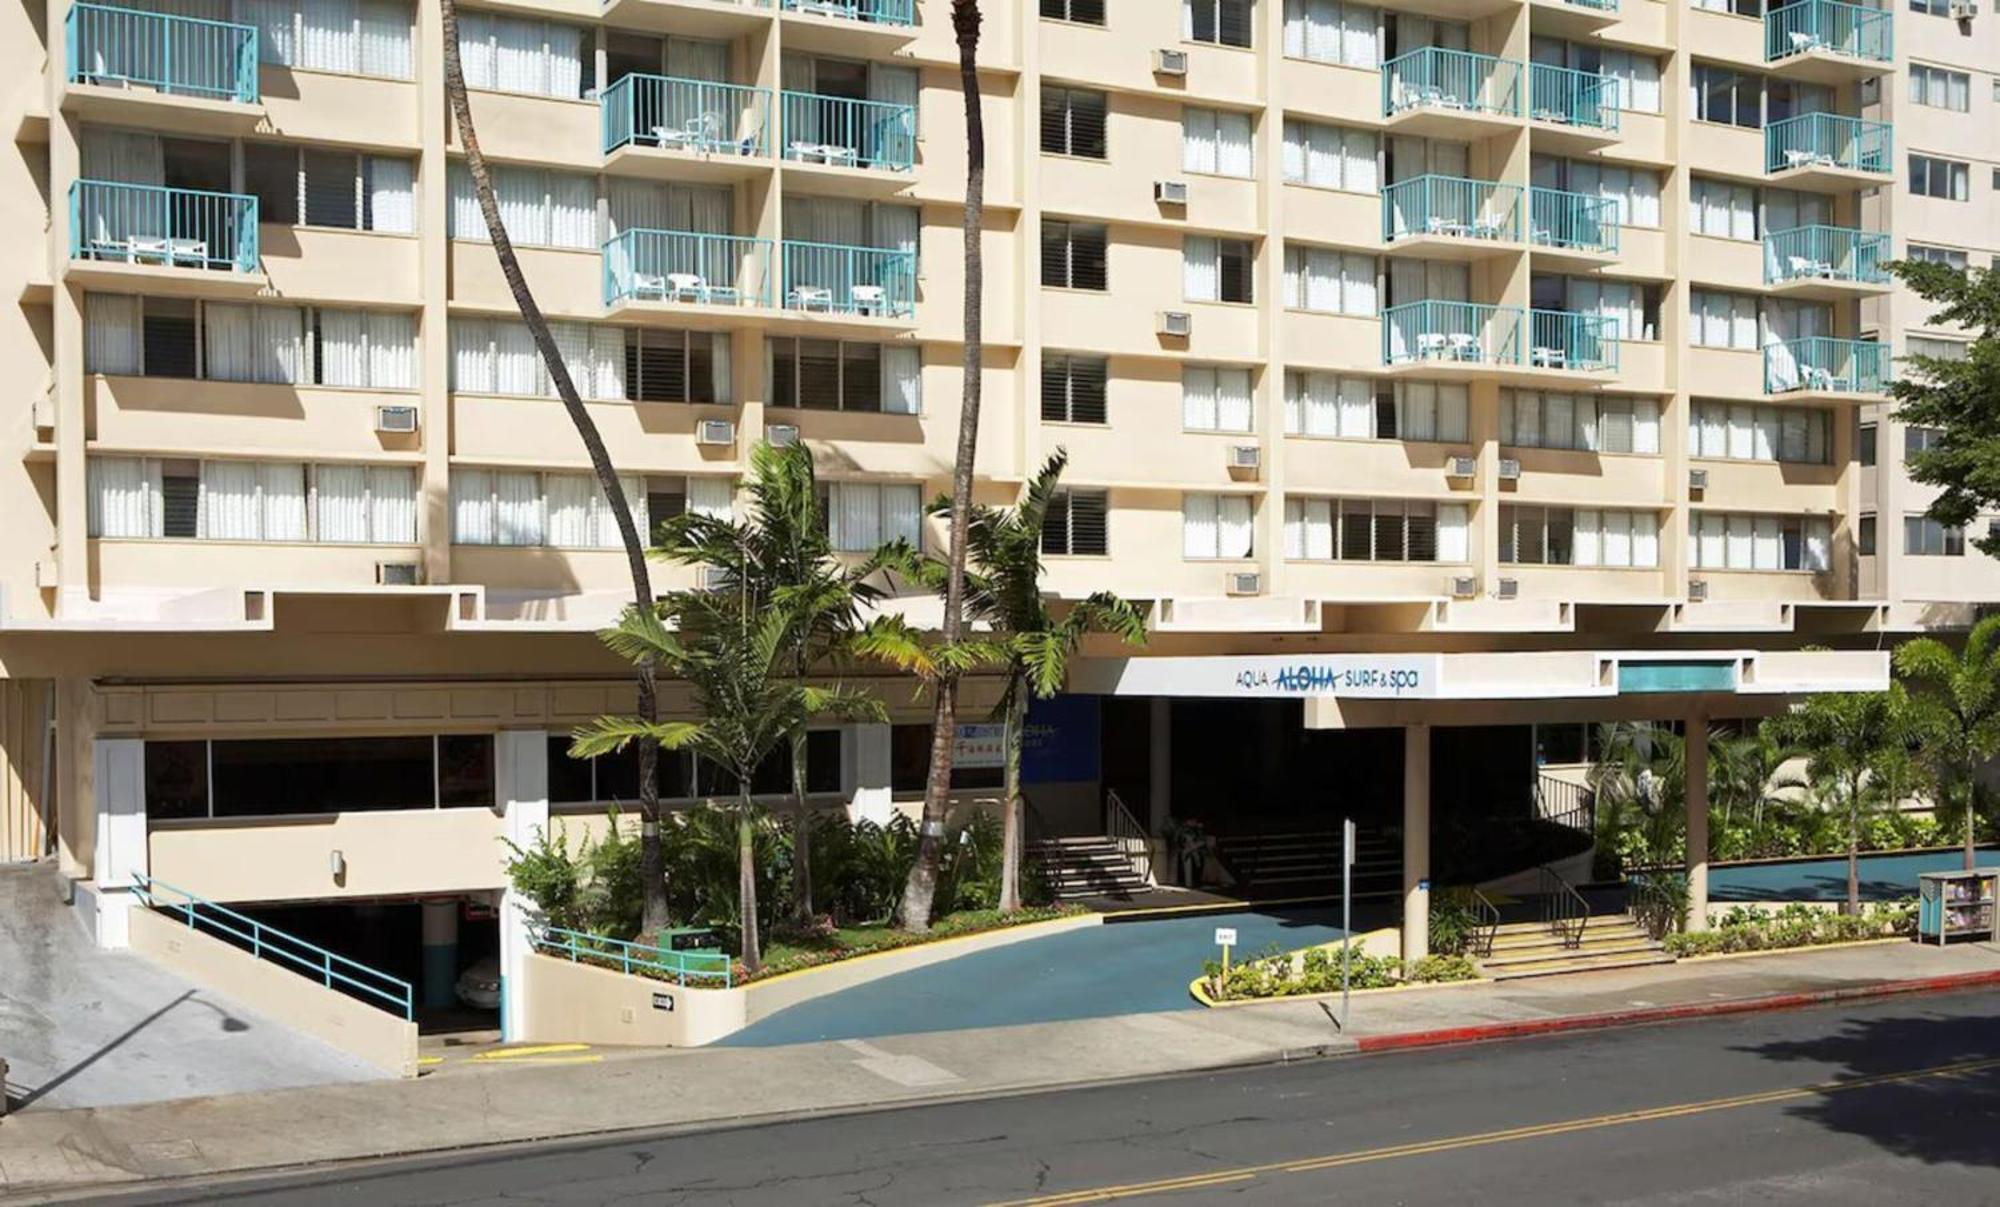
(440, 951)
(1416, 842)
(118, 767)
(1160, 765)
(866, 757)
(521, 766)
(1697, 821)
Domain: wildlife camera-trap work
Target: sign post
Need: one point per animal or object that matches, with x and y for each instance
(1346, 909)
(1225, 938)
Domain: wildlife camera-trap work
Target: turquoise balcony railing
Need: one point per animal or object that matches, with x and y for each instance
(868, 12)
(1571, 97)
(1573, 221)
(1828, 140)
(181, 56)
(1451, 79)
(1868, 34)
(832, 278)
(687, 266)
(153, 224)
(689, 115)
(1826, 253)
(848, 133)
(1602, 6)
(1467, 333)
(1821, 362)
(1565, 339)
(703, 966)
(1451, 206)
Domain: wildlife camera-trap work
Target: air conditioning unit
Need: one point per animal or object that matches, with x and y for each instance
(1463, 586)
(1169, 62)
(1697, 479)
(1510, 470)
(711, 578)
(1170, 192)
(1508, 588)
(1697, 590)
(715, 431)
(1245, 582)
(1961, 10)
(1245, 456)
(398, 574)
(781, 435)
(1175, 322)
(1462, 467)
(395, 419)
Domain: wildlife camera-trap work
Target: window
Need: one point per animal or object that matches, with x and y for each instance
(910, 763)
(1083, 12)
(363, 349)
(1578, 536)
(1950, 257)
(1217, 141)
(1733, 98)
(540, 208)
(264, 501)
(1637, 76)
(844, 375)
(1218, 22)
(1333, 282)
(1940, 89)
(520, 54)
(1216, 527)
(1326, 404)
(371, 38)
(670, 495)
(863, 516)
(1075, 523)
(1215, 398)
(1921, 439)
(1741, 541)
(663, 365)
(1073, 122)
(1328, 31)
(1217, 270)
(1742, 8)
(1074, 255)
(1632, 306)
(1722, 209)
(1864, 536)
(1865, 439)
(1380, 530)
(1926, 537)
(1946, 179)
(312, 187)
(1635, 191)
(562, 510)
(1936, 348)
(1932, 8)
(1742, 431)
(265, 777)
(498, 356)
(1073, 388)
(1530, 419)
(1723, 320)
(1331, 157)
(234, 341)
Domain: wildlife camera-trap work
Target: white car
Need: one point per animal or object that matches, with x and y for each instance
(479, 985)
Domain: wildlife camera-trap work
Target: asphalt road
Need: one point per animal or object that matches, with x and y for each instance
(1888, 1103)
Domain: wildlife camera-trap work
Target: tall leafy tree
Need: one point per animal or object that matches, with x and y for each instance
(1856, 746)
(1958, 397)
(1956, 705)
(1747, 776)
(914, 911)
(652, 862)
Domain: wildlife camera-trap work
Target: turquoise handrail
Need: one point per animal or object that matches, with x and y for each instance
(1574, 221)
(687, 266)
(852, 133)
(269, 943)
(1433, 77)
(1851, 30)
(838, 279)
(1572, 98)
(1567, 339)
(180, 56)
(868, 12)
(1828, 140)
(705, 964)
(154, 224)
(1826, 253)
(1451, 206)
(1825, 364)
(692, 115)
(1444, 332)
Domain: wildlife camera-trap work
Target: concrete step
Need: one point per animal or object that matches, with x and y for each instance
(1590, 964)
(1566, 955)
(1542, 935)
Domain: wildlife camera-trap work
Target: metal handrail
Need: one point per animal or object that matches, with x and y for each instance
(1124, 829)
(867, 12)
(705, 964)
(1566, 803)
(1489, 922)
(1564, 910)
(181, 56)
(154, 223)
(840, 130)
(268, 942)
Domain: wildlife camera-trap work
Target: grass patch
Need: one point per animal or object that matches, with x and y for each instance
(790, 953)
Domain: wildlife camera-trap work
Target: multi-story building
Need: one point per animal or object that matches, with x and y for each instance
(1466, 363)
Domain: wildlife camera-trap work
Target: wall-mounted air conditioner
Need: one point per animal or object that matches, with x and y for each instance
(1463, 586)
(715, 431)
(1461, 467)
(1178, 323)
(1170, 192)
(1697, 479)
(398, 574)
(1961, 10)
(781, 435)
(1697, 590)
(1245, 582)
(1510, 470)
(395, 419)
(1169, 62)
(1245, 456)
(1508, 588)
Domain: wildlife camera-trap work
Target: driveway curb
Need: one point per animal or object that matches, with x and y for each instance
(1528, 1028)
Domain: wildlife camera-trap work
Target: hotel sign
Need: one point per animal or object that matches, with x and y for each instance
(1298, 676)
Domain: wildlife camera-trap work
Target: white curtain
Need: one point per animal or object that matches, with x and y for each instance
(521, 194)
(124, 497)
(902, 380)
(607, 355)
(280, 344)
(341, 503)
(392, 200)
(1309, 529)
(229, 335)
(570, 501)
(329, 35)
(277, 28)
(392, 504)
(1417, 411)
(1356, 406)
(343, 348)
(1232, 400)
(1819, 540)
(385, 39)
(1587, 538)
(1233, 526)
(572, 211)
(1199, 526)
(124, 156)
(712, 497)
(229, 506)
(472, 507)
(392, 350)
(472, 356)
(466, 222)
(1454, 542)
(1767, 551)
(902, 513)
(1201, 276)
(517, 367)
(283, 488)
(520, 63)
(1198, 398)
(855, 516)
(111, 333)
(1198, 139)
(517, 508)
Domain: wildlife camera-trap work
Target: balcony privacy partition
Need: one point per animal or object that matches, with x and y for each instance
(1828, 140)
(868, 12)
(683, 114)
(687, 266)
(1473, 333)
(1572, 98)
(180, 56)
(848, 133)
(1826, 253)
(1824, 363)
(1451, 206)
(1573, 221)
(833, 278)
(154, 224)
(1852, 30)
(1434, 77)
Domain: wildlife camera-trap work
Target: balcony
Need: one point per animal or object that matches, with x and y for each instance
(687, 269)
(1826, 261)
(691, 129)
(1829, 41)
(1565, 340)
(1451, 217)
(854, 27)
(148, 230)
(1573, 227)
(854, 282)
(857, 136)
(1573, 110)
(125, 64)
(1828, 151)
(1821, 365)
(1452, 93)
(1572, 18)
(717, 20)
(1536, 344)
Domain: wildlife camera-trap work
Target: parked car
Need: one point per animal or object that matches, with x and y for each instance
(479, 985)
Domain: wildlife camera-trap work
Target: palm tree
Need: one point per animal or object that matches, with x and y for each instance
(1856, 748)
(652, 863)
(1957, 704)
(734, 652)
(914, 913)
(1639, 781)
(1747, 772)
(1004, 591)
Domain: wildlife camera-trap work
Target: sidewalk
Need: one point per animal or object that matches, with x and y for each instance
(62, 1153)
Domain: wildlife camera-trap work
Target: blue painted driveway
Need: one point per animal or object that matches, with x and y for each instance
(1118, 968)
(1890, 877)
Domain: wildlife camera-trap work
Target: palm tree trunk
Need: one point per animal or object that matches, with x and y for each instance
(652, 861)
(914, 914)
(802, 881)
(1854, 848)
(746, 873)
(1010, 805)
(1971, 799)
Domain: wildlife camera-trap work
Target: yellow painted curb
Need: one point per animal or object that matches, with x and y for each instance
(1069, 921)
(1790, 951)
(529, 1050)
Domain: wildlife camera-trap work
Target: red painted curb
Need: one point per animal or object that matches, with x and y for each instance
(1482, 1033)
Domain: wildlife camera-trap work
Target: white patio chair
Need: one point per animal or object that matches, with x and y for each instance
(807, 152)
(689, 285)
(1430, 345)
(839, 156)
(869, 299)
(1548, 358)
(649, 285)
(1802, 42)
(168, 250)
(811, 297)
(1464, 346)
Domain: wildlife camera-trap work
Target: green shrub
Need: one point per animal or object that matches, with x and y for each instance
(1442, 968)
(1274, 973)
(1796, 925)
(1454, 921)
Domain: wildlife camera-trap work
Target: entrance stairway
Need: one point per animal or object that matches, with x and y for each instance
(1307, 863)
(1525, 949)
(1092, 866)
